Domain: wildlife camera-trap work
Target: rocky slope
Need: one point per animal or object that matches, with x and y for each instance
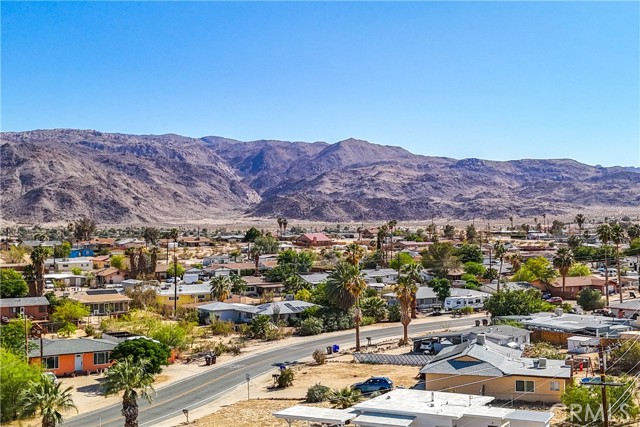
(50, 175)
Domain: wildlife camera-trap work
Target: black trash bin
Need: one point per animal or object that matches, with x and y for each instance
(207, 360)
(329, 349)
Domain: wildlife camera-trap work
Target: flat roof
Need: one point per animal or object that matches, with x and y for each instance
(383, 420)
(312, 413)
(537, 416)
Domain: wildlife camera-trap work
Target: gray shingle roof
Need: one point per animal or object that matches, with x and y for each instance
(23, 302)
(56, 347)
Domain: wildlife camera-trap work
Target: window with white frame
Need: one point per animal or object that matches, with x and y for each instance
(555, 385)
(101, 357)
(525, 386)
(50, 362)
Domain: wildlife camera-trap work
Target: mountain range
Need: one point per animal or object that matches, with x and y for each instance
(61, 174)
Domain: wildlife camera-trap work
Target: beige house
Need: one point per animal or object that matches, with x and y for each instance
(493, 370)
(103, 302)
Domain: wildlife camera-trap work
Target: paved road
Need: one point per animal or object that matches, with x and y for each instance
(199, 390)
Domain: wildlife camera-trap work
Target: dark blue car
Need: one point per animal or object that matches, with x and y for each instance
(374, 384)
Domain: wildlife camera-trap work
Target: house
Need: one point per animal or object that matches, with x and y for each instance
(110, 275)
(67, 264)
(574, 323)
(81, 252)
(386, 276)
(97, 243)
(573, 285)
(161, 272)
(67, 279)
(102, 302)
(257, 286)
(283, 310)
(100, 262)
(187, 294)
(504, 335)
(419, 408)
(313, 240)
(369, 233)
(629, 309)
(497, 371)
(314, 279)
(66, 357)
(33, 307)
(194, 242)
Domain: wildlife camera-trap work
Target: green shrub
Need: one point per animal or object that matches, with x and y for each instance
(367, 320)
(221, 327)
(311, 326)
(220, 348)
(466, 310)
(90, 330)
(394, 313)
(235, 348)
(286, 378)
(317, 393)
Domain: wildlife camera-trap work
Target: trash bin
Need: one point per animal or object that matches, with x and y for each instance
(213, 359)
(477, 323)
(207, 360)
(336, 348)
(329, 350)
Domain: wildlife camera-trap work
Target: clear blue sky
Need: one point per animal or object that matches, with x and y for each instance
(501, 80)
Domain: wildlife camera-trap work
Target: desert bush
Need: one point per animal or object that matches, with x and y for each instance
(311, 326)
(90, 330)
(319, 357)
(221, 327)
(220, 348)
(543, 349)
(286, 378)
(394, 313)
(367, 320)
(317, 393)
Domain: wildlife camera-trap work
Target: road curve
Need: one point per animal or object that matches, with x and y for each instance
(206, 387)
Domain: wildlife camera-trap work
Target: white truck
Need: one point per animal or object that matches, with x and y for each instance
(190, 278)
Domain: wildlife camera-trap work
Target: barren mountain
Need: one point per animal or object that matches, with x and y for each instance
(50, 175)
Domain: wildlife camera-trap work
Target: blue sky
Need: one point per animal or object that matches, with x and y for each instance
(496, 80)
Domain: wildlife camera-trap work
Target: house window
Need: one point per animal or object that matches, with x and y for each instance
(555, 385)
(101, 357)
(525, 386)
(50, 362)
(42, 309)
(172, 298)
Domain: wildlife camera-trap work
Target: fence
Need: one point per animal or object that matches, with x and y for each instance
(393, 359)
(560, 338)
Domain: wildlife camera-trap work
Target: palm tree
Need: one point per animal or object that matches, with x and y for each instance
(405, 291)
(353, 253)
(544, 217)
(511, 221)
(345, 397)
(563, 260)
(516, 261)
(49, 399)
(575, 241)
(238, 284)
(413, 271)
(130, 376)
(580, 219)
(280, 225)
(263, 245)
(150, 235)
(345, 286)
(221, 287)
(617, 237)
(633, 231)
(38, 256)
(284, 226)
(500, 252)
(605, 236)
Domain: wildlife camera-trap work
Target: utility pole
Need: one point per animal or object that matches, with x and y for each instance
(602, 359)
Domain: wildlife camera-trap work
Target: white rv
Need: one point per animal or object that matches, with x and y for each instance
(456, 303)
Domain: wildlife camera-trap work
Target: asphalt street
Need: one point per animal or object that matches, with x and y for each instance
(193, 392)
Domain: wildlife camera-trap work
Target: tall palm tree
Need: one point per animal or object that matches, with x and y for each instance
(605, 236)
(405, 291)
(413, 271)
(280, 225)
(284, 226)
(221, 287)
(580, 219)
(38, 256)
(345, 286)
(633, 231)
(130, 376)
(238, 284)
(49, 399)
(353, 253)
(563, 260)
(516, 261)
(617, 237)
(500, 252)
(263, 245)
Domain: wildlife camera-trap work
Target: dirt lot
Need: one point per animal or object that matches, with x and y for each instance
(250, 414)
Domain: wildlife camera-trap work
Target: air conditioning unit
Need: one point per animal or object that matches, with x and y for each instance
(21, 310)
(542, 363)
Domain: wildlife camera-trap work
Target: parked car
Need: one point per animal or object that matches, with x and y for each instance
(374, 384)
(50, 376)
(555, 300)
(546, 295)
(603, 312)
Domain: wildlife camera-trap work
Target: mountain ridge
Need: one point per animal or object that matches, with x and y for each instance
(59, 174)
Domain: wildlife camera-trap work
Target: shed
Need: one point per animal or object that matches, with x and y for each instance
(581, 344)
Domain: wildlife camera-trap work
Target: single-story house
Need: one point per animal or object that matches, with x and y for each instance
(385, 276)
(314, 278)
(629, 309)
(73, 356)
(33, 307)
(161, 272)
(502, 335)
(497, 371)
(313, 239)
(419, 408)
(102, 302)
(66, 264)
(194, 242)
(187, 294)
(573, 285)
(100, 261)
(110, 275)
(244, 313)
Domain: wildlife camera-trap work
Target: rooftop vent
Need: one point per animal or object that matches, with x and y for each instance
(481, 339)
